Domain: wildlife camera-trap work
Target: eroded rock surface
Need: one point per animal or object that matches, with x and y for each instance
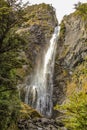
(70, 65)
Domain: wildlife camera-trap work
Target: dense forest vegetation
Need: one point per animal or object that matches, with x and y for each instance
(10, 42)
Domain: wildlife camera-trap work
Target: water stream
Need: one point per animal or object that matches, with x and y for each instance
(39, 92)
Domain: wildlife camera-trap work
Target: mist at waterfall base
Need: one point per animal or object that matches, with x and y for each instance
(39, 91)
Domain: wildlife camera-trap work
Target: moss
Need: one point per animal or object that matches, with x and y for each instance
(36, 13)
(81, 10)
(62, 31)
(20, 72)
(26, 112)
(78, 81)
(65, 51)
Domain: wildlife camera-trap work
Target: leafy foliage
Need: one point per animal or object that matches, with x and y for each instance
(9, 109)
(4, 18)
(81, 9)
(75, 111)
(10, 44)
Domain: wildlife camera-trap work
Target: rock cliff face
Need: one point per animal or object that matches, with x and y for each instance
(37, 30)
(71, 59)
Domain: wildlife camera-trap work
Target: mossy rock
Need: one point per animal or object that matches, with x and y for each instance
(27, 112)
(78, 81)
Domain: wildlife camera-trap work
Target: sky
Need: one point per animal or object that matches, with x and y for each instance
(63, 7)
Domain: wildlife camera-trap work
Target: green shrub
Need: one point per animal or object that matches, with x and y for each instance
(75, 112)
(81, 9)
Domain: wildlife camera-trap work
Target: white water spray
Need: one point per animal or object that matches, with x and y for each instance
(39, 92)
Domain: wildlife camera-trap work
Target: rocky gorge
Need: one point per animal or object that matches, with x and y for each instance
(23, 40)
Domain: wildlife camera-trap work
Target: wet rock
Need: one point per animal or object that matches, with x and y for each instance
(38, 124)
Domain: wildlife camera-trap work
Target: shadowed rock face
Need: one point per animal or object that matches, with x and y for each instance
(70, 57)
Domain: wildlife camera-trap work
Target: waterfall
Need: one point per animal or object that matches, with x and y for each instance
(39, 92)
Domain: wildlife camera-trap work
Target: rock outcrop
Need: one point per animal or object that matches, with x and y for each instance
(37, 30)
(70, 67)
(30, 119)
(39, 124)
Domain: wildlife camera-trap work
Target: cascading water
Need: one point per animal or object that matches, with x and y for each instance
(39, 92)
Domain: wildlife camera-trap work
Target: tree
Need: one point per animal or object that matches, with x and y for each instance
(10, 42)
(81, 9)
(10, 45)
(14, 3)
(75, 111)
